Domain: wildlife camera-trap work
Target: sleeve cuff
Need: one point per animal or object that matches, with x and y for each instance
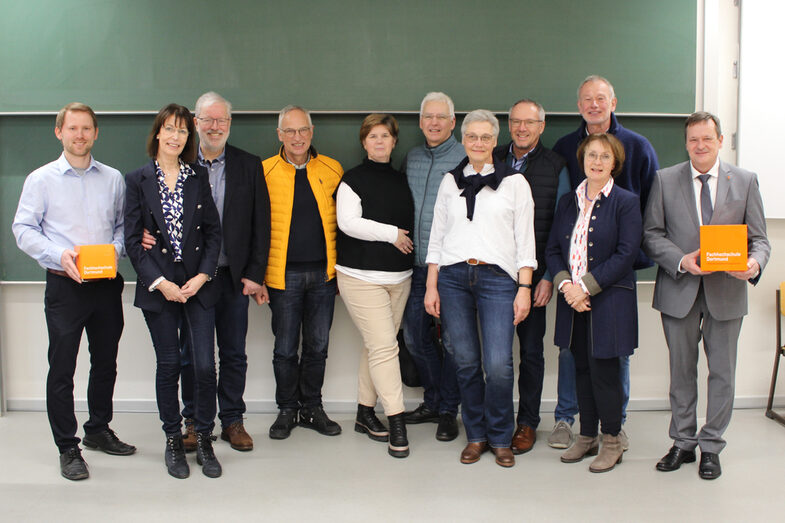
(155, 284)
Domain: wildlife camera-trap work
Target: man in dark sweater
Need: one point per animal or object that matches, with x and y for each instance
(548, 179)
(596, 103)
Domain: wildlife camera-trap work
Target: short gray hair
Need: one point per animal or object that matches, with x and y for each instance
(436, 96)
(481, 115)
(288, 109)
(596, 78)
(702, 116)
(209, 98)
(540, 108)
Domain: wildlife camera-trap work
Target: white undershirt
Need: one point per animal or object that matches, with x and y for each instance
(501, 233)
(349, 212)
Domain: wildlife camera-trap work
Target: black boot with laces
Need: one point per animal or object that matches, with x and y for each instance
(205, 455)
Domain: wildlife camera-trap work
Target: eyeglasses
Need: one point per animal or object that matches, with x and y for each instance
(429, 117)
(485, 138)
(514, 122)
(210, 121)
(604, 157)
(302, 131)
(169, 129)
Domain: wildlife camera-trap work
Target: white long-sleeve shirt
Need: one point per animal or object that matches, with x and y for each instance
(501, 233)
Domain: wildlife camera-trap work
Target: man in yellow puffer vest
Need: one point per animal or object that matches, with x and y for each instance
(300, 278)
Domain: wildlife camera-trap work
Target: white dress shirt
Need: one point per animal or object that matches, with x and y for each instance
(712, 182)
(501, 233)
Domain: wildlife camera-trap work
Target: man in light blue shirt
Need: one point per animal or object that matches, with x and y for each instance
(73, 201)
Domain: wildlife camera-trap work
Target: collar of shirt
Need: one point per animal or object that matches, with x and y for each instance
(185, 171)
(713, 172)
(207, 163)
(517, 163)
(583, 195)
(469, 170)
(302, 165)
(65, 167)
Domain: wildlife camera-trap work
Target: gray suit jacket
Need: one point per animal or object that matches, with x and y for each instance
(671, 230)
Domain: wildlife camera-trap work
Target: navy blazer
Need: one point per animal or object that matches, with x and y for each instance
(246, 217)
(613, 242)
(201, 241)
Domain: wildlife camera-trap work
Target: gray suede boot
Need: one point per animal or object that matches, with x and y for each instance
(583, 446)
(610, 454)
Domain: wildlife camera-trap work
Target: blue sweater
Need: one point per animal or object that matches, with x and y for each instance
(424, 167)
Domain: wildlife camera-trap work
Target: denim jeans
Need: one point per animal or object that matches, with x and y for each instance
(567, 403)
(198, 326)
(531, 369)
(231, 327)
(469, 293)
(306, 305)
(437, 372)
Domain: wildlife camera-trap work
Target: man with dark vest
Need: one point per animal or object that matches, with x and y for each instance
(547, 176)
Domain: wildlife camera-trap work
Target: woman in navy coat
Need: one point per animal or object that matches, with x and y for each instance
(171, 198)
(593, 243)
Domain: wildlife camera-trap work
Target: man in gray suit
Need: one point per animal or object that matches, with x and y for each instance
(695, 303)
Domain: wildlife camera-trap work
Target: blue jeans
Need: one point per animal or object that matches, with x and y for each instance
(531, 370)
(484, 292)
(567, 403)
(231, 327)
(306, 305)
(437, 373)
(197, 324)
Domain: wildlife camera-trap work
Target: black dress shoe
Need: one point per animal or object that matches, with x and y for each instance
(674, 458)
(709, 466)
(447, 430)
(72, 465)
(108, 441)
(283, 424)
(315, 418)
(421, 414)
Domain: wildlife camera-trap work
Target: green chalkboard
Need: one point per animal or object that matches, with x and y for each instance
(362, 55)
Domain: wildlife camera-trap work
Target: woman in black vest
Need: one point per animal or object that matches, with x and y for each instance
(375, 213)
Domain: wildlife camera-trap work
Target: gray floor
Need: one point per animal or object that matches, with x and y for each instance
(309, 477)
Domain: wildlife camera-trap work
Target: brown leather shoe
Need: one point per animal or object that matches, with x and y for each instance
(504, 457)
(189, 438)
(523, 439)
(237, 437)
(472, 452)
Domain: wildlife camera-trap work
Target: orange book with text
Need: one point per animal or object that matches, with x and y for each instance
(96, 261)
(723, 247)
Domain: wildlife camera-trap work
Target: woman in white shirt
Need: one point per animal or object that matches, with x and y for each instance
(375, 214)
(480, 262)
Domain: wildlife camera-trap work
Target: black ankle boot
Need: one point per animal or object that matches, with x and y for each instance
(174, 457)
(399, 445)
(368, 423)
(205, 455)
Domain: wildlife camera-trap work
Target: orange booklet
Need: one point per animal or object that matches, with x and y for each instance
(724, 247)
(96, 261)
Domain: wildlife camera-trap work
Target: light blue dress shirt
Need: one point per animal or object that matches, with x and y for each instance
(59, 209)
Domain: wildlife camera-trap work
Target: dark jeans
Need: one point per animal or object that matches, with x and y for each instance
(70, 308)
(231, 327)
(532, 367)
(197, 325)
(598, 383)
(305, 306)
(483, 358)
(436, 371)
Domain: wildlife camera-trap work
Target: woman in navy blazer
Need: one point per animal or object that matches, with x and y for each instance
(170, 196)
(595, 237)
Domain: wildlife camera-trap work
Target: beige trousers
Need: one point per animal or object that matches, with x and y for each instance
(377, 310)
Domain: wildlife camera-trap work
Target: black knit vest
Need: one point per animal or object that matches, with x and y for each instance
(385, 198)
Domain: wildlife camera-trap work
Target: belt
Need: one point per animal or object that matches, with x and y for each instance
(59, 273)
(475, 261)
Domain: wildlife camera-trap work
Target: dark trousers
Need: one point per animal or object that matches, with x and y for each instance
(531, 370)
(305, 306)
(70, 308)
(231, 327)
(176, 321)
(599, 388)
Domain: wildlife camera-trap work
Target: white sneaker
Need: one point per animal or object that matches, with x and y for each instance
(561, 436)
